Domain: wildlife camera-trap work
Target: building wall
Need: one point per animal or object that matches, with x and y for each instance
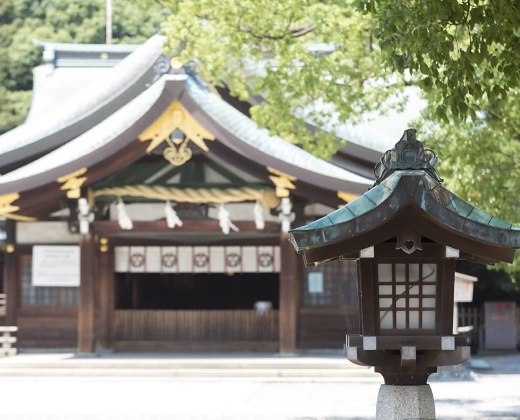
(326, 305)
(328, 309)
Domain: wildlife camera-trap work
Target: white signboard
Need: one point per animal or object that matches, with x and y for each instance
(56, 266)
(464, 287)
(197, 259)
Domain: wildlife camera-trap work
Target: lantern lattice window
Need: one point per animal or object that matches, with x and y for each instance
(407, 296)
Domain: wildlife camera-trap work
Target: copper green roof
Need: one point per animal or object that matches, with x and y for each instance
(431, 209)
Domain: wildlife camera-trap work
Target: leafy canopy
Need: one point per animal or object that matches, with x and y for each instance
(305, 58)
(464, 51)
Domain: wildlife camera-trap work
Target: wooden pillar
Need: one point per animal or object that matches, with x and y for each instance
(290, 275)
(105, 293)
(11, 286)
(86, 312)
(11, 274)
(448, 295)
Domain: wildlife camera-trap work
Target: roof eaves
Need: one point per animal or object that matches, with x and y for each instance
(249, 134)
(43, 131)
(381, 203)
(78, 150)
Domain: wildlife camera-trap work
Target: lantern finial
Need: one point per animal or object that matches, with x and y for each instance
(408, 154)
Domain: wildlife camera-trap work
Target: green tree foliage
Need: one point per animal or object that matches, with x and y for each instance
(80, 21)
(480, 159)
(463, 54)
(294, 53)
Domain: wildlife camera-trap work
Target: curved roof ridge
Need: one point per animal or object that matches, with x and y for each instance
(86, 143)
(67, 46)
(87, 101)
(249, 132)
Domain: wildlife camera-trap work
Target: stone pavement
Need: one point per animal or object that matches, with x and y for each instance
(65, 386)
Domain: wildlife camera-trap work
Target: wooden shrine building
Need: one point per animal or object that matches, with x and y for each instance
(146, 211)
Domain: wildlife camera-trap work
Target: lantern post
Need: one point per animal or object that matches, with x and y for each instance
(406, 234)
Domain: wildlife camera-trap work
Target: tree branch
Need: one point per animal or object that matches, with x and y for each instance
(297, 32)
(294, 32)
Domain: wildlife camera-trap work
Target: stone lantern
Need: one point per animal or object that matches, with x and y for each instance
(406, 234)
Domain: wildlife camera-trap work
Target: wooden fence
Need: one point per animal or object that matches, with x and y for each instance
(472, 316)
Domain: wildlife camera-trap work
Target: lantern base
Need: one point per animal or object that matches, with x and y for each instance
(416, 377)
(400, 402)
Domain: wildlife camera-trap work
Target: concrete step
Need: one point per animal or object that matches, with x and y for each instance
(309, 374)
(158, 365)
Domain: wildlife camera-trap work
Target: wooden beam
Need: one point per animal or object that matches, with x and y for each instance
(86, 308)
(447, 294)
(367, 295)
(290, 279)
(10, 286)
(111, 227)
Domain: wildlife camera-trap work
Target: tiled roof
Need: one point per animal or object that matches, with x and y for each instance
(248, 132)
(79, 152)
(82, 147)
(77, 107)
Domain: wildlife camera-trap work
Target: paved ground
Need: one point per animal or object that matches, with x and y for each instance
(60, 388)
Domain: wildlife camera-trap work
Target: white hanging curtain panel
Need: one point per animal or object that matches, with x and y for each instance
(197, 259)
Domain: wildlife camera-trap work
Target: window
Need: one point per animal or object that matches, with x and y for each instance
(331, 284)
(43, 295)
(407, 296)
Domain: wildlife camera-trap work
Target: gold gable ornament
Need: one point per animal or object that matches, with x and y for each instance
(282, 181)
(176, 117)
(177, 153)
(73, 182)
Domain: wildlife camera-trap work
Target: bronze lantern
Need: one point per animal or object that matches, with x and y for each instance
(406, 234)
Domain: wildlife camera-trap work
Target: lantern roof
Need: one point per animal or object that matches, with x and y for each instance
(407, 195)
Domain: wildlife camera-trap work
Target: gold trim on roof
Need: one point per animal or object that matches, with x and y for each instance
(176, 117)
(347, 197)
(7, 209)
(6, 203)
(20, 218)
(282, 181)
(267, 198)
(72, 182)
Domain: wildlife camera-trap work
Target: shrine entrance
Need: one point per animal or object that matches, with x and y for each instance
(161, 305)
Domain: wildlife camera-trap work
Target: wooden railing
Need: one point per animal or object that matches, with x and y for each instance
(474, 317)
(3, 302)
(7, 341)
